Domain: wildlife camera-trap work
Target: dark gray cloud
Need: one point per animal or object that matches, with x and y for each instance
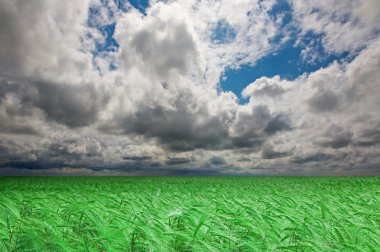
(324, 101)
(255, 125)
(34, 165)
(71, 105)
(11, 127)
(217, 161)
(336, 137)
(268, 152)
(278, 123)
(253, 143)
(177, 161)
(15, 116)
(177, 130)
(315, 157)
(369, 136)
(137, 158)
(180, 130)
(252, 122)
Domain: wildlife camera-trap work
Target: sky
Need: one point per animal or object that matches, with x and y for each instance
(206, 87)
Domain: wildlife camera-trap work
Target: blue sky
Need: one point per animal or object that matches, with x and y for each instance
(141, 5)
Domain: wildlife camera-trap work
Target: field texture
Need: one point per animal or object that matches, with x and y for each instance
(190, 214)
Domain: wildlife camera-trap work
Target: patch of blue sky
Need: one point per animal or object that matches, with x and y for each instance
(141, 5)
(107, 30)
(109, 44)
(289, 62)
(281, 12)
(223, 33)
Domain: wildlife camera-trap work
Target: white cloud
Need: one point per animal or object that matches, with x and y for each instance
(345, 25)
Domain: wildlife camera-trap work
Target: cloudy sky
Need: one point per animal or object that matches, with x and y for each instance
(190, 87)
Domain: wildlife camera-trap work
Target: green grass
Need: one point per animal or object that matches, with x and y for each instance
(190, 214)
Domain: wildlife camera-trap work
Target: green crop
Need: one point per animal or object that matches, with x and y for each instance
(190, 214)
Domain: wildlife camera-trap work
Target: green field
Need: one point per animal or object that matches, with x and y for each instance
(190, 214)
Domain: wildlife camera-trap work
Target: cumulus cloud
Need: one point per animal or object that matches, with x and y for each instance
(265, 87)
(152, 104)
(46, 41)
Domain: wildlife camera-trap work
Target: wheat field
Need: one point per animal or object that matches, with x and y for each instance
(189, 214)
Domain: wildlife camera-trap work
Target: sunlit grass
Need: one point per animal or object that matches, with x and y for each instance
(190, 214)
